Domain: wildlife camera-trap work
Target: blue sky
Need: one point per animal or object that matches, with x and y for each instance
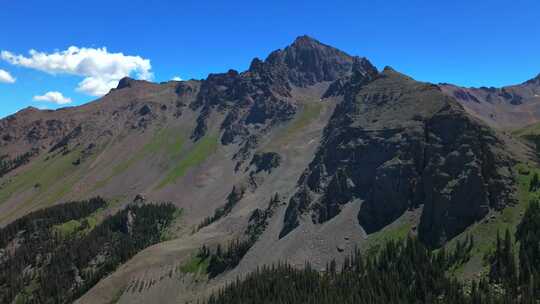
(471, 43)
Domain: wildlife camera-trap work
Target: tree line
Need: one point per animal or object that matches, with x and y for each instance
(233, 198)
(401, 272)
(46, 267)
(404, 272)
(223, 259)
(8, 165)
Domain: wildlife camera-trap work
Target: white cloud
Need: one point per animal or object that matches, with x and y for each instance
(53, 96)
(5, 77)
(102, 70)
(176, 78)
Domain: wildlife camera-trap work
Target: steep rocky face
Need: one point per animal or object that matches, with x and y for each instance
(395, 144)
(308, 61)
(507, 107)
(261, 97)
(252, 97)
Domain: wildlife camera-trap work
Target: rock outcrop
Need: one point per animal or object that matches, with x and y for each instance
(396, 144)
(265, 161)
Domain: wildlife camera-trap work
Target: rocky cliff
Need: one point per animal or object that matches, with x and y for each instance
(397, 144)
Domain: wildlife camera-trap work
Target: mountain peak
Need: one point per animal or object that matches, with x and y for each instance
(305, 40)
(309, 61)
(125, 82)
(388, 71)
(128, 82)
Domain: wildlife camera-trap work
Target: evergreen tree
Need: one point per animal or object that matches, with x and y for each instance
(535, 183)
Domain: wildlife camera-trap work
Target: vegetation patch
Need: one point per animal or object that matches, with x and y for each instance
(47, 179)
(309, 112)
(170, 232)
(168, 141)
(202, 149)
(221, 260)
(42, 174)
(486, 231)
(80, 227)
(8, 165)
(197, 265)
(397, 231)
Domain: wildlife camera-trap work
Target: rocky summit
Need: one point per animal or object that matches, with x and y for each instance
(309, 156)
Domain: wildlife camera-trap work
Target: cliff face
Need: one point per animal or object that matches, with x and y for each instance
(396, 144)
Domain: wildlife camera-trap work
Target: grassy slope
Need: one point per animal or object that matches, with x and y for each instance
(395, 231)
(196, 265)
(485, 232)
(202, 149)
(168, 141)
(69, 229)
(49, 177)
(533, 129)
(308, 112)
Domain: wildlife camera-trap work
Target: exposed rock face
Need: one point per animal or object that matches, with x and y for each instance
(308, 61)
(253, 101)
(30, 129)
(362, 71)
(395, 144)
(62, 144)
(128, 82)
(265, 161)
(257, 96)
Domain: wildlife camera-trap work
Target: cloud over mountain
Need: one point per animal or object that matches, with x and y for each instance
(102, 70)
(54, 97)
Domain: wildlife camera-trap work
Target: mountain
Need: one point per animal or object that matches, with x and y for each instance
(397, 144)
(305, 156)
(508, 107)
